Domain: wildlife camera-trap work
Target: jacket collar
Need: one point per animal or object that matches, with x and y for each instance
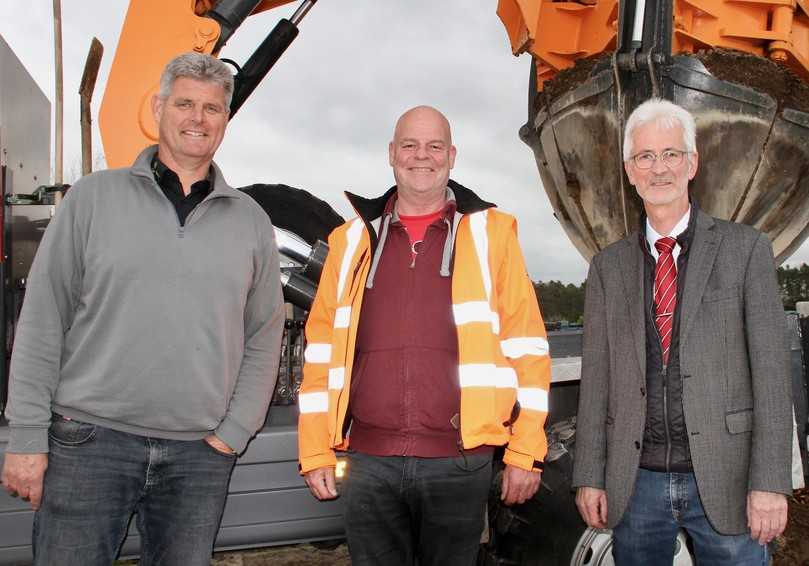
(701, 242)
(378, 213)
(369, 209)
(142, 167)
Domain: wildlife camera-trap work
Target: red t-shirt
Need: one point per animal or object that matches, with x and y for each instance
(416, 226)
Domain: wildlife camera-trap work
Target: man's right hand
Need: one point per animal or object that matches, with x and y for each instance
(23, 475)
(592, 504)
(321, 482)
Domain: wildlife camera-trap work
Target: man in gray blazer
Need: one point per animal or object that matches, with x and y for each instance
(685, 410)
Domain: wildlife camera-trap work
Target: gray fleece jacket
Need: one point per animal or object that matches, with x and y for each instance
(135, 323)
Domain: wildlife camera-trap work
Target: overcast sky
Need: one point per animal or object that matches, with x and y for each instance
(322, 119)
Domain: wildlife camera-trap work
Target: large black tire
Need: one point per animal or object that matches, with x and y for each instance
(546, 529)
(296, 210)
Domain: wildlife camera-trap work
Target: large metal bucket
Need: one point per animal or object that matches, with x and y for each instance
(754, 151)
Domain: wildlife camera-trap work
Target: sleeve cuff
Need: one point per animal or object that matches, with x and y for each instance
(320, 461)
(27, 440)
(233, 435)
(523, 461)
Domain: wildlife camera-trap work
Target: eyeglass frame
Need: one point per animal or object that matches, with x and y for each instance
(680, 152)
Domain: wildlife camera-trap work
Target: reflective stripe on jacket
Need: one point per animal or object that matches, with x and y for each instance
(502, 346)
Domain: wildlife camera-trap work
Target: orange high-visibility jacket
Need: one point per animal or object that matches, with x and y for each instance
(502, 346)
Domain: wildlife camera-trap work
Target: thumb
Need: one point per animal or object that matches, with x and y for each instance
(602, 509)
(330, 485)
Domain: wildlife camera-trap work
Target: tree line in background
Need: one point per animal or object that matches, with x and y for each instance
(560, 302)
(565, 302)
(794, 284)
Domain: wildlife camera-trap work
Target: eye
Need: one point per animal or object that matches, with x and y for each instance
(408, 145)
(645, 158)
(671, 154)
(183, 104)
(213, 109)
(436, 147)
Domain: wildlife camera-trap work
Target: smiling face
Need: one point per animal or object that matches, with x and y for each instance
(422, 155)
(661, 186)
(191, 122)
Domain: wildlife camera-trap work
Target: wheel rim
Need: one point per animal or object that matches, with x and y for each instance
(595, 549)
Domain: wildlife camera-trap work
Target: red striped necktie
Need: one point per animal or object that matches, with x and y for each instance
(665, 292)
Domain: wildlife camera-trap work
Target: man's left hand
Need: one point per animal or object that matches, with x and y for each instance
(766, 515)
(518, 485)
(219, 445)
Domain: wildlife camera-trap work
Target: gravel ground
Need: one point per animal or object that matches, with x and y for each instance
(793, 547)
(293, 555)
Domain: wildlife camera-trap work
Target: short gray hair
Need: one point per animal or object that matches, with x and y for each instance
(666, 115)
(200, 67)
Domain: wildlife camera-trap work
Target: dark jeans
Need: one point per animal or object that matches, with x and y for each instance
(661, 504)
(97, 478)
(402, 508)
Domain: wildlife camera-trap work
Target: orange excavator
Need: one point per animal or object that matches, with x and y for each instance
(741, 66)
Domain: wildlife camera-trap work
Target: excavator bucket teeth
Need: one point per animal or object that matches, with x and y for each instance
(752, 136)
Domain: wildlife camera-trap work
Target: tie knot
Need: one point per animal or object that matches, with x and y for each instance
(665, 245)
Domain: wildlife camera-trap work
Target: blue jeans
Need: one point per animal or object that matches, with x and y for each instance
(661, 504)
(97, 478)
(402, 508)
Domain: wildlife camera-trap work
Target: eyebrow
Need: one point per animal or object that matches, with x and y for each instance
(414, 140)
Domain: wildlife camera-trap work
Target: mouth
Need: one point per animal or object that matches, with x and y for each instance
(194, 134)
(421, 169)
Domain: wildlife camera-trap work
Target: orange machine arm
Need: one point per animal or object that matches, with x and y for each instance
(559, 33)
(153, 32)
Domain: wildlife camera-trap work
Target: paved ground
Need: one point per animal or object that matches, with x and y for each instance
(565, 343)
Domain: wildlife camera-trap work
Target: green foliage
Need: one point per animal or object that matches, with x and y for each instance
(794, 284)
(559, 301)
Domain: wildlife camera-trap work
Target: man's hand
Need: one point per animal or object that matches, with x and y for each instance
(321, 482)
(23, 475)
(219, 445)
(518, 485)
(592, 504)
(766, 515)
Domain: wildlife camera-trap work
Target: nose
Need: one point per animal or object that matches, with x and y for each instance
(659, 167)
(198, 113)
(421, 152)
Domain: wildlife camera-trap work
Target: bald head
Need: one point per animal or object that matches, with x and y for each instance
(423, 114)
(421, 155)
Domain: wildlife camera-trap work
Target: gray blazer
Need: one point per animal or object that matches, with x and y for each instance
(734, 365)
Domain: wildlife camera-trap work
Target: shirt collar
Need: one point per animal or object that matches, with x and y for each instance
(162, 173)
(682, 225)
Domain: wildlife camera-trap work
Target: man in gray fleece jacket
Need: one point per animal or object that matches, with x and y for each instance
(147, 348)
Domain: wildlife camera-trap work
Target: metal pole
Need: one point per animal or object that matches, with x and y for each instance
(86, 88)
(58, 127)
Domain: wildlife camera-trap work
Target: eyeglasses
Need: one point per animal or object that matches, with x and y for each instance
(670, 157)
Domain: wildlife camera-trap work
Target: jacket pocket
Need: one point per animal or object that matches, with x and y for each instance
(721, 294)
(68, 432)
(739, 421)
(376, 390)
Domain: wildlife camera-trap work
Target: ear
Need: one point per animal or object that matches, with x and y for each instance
(629, 172)
(693, 165)
(452, 152)
(391, 153)
(157, 107)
